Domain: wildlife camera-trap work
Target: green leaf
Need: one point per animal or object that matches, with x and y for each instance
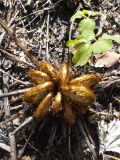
(90, 13)
(79, 37)
(115, 38)
(82, 55)
(74, 42)
(78, 14)
(102, 45)
(88, 34)
(70, 43)
(86, 24)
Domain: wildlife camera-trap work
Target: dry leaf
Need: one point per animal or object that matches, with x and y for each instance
(107, 60)
(109, 136)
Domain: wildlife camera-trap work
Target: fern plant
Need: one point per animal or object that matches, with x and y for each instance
(85, 44)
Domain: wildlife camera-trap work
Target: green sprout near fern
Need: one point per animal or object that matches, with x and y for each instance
(86, 45)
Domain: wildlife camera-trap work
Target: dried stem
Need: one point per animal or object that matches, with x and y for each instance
(19, 43)
(9, 119)
(47, 37)
(19, 81)
(15, 58)
(13, 151)
(87, 140)
(110, 157)
(26, 122)
(14, 93)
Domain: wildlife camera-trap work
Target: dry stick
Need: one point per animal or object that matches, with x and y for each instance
(22, 5)
(69, 141)
(89, 136)
(19, 43)
(87, 140)
(50, 141)
(26, 122)
(16, 107)
(13, 151)
(14, 93)
(9, 119)
(56, 44)
(38, 11)
(110, 157)
(86, 3)
(40, 35)
(38, 151)
(47, 37)
(24, 147)
(19, 81)
(11, 21)
(99, 113)
(3, 136)
(32, 20)
(15, 58)
(108, 83)
(3, 145)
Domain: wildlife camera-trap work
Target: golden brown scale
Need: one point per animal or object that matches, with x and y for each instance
(69, 113)
(56, 105)
(50, 70)
(37, 76)
(66, 73)
(36, 94)
(43, 107)
(88, 80)
(80, 95)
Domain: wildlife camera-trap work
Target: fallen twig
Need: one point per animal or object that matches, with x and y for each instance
(19, 43)
(9, 126)
(110, 157)
(14, 93)
(19, 81)
(87, 140)
(15, 58)
(47, 37)
(4, 123)
(29, 120)
(50, 141)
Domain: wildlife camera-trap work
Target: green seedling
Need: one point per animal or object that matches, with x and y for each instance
(85, 44)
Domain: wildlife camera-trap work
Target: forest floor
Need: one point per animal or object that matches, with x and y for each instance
(44, 27)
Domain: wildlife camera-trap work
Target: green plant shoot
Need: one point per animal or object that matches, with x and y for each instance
(85, 44)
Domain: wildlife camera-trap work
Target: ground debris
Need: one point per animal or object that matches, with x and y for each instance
(109, 136)
(43, 26)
